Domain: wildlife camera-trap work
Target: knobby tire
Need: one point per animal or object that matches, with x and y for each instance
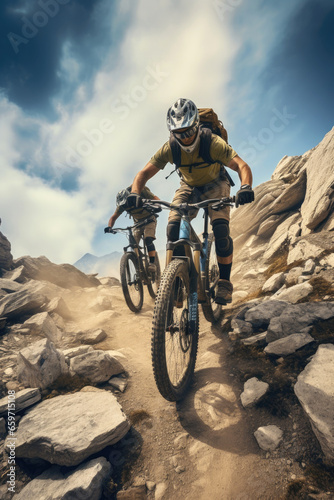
(162, 339)
(129, 262)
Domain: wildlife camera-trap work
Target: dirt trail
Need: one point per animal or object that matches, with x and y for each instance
(202, 448)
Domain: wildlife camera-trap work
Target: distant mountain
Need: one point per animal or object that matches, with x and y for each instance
(107, 265)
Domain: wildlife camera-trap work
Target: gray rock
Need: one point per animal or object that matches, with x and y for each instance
(40, 364)
(295, 293)
(315, 390)
(92, 336)
(15, 275)
(66, 430)
(268, 437)
(23, 399)
(318, 201)
(292, 196)
(64, 275)
(9, 285)
(292, 276)
(311, 246)
(289, 344)
(118, 383)
(274, 282)
(259, 339)
(269, 226)
(42, 324)
(280, 237)
(96, 366)
(309, 267)
(244, 328)
(76, 351)
(85, 483)
(254, 390)
(260, 315)
(25, 301)
(298, 318)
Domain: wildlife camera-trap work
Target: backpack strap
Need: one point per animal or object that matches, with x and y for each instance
(204, 152)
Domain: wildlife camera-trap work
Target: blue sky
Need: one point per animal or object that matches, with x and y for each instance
(85, 86)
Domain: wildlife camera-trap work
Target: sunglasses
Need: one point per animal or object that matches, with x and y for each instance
(187, 133)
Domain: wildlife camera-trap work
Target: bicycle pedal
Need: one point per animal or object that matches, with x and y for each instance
(221, 301)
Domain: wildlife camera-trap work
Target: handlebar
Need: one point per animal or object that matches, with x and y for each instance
(216, 204)
(114, 230)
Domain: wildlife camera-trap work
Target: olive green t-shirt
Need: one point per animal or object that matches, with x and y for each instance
(138, 213)
(195, 171)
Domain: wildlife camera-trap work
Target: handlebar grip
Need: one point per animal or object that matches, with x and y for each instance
(109, 230)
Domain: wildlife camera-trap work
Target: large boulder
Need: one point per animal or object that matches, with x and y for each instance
(96, 366)
(84, 483)
(298, 318)
(315, 391)
(28, 300)
(40, 364)
(311, 246)
(23, 399)
(63, 275)
(318, 201)
(68, 429)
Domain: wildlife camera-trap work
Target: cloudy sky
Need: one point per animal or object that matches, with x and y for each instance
(85, 86)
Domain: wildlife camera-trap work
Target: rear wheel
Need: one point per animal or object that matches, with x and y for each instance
(173, 347)
(131, 283)
(154, 281)
(212, 312)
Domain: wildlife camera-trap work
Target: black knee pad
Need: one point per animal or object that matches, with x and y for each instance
(173, 229)
(149, 244)
(224, 243)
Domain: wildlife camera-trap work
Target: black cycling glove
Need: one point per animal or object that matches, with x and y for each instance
(244, 195)
(134, 200)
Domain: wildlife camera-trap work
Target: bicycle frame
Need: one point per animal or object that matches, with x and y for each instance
(196, 255)
(136, 248)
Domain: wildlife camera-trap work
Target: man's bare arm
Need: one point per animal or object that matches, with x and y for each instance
(143, 176)
(243, 170)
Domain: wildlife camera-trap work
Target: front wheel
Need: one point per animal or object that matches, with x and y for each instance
(174, 345)
(131, 283)
(212, 312)
(154, 281)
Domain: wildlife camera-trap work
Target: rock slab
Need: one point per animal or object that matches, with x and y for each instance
(315, 390)
(85, 483)
(68, 429)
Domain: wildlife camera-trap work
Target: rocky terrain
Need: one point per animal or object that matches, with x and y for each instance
(80, 416)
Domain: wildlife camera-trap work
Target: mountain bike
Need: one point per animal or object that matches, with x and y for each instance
(134, 268)
(186, 282)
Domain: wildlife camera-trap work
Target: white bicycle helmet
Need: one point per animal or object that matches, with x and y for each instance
(184, 114)
(122, 196)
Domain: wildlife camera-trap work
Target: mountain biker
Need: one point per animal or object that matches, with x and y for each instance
(199, 181)
(138, 214)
